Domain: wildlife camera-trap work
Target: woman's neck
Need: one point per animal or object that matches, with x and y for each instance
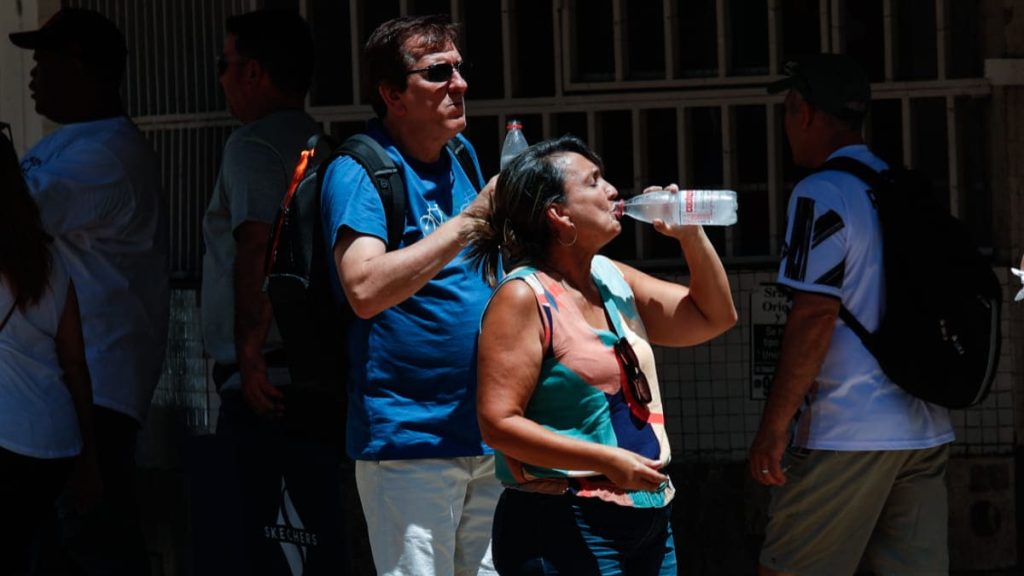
(575, 277)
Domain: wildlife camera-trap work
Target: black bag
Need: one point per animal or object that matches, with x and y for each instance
(268, 508)
(311, 323)
(939, 337)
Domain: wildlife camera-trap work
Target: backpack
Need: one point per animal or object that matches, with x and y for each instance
(939, 336)
(312, 325)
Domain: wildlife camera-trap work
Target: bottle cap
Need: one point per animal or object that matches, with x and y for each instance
(514, 125)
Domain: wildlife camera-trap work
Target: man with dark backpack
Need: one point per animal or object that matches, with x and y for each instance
(862, 476)
(273, 466)
(265, 72)
(425, 478)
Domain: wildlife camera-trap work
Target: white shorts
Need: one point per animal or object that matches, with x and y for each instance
(430, 516)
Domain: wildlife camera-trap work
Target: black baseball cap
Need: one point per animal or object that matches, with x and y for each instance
(834, 83)
(97, 40)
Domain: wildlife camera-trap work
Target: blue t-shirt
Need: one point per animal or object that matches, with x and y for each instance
(412, 380)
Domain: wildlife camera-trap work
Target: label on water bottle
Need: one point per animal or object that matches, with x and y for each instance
(697, 210)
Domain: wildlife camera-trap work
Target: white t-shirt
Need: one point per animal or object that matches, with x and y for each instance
(37, 415)
(833, 247)
(98, 190)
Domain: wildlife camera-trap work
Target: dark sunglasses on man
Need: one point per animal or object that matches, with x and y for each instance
(638, 384)
(223, 64)
(442, 71)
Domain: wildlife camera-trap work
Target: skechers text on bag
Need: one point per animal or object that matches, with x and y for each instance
(939, 335)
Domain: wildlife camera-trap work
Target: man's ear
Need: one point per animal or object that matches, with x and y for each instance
(392, 98)
(252, 70)
(807, 114)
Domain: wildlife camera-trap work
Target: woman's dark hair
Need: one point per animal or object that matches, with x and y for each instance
(25, 260)
(386, 58)
(280, 40)
(517, 228)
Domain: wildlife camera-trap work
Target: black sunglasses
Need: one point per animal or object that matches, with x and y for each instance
(634, 375)
(223, 64)
(442, 71)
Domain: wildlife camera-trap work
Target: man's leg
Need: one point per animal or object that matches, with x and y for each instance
(109, 539)
(412, 510)
(473, 536)
(910, 537)
(820, 521)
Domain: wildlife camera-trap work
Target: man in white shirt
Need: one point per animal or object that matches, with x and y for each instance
(96, 181)
(863, 477)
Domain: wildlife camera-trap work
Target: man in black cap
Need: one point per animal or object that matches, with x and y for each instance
(862, 476)
(97, 186)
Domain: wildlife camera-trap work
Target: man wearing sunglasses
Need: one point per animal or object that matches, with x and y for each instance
(96, 181)
(265, 71)
(425, 477)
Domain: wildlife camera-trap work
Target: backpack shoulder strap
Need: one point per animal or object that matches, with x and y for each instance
(874, 180)
(854, 167)
(462, 154)
(386, 177)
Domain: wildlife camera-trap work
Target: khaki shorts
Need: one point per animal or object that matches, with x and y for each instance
(887, 507)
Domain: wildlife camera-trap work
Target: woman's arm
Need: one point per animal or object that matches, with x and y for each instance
(677, 315)
(71, 356)
(510, 355)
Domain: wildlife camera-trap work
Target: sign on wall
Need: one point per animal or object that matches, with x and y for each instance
(769, 308)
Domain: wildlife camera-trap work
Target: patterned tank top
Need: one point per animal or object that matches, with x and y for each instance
(582, 389)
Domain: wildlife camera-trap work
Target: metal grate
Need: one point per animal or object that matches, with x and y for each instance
(189, 161)
(173, 47)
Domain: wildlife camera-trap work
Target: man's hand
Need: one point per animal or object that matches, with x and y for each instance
(263, 398)
(481, 205)
(85, 483)
(766, 457)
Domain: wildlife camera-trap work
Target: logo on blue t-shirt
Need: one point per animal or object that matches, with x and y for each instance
(432, 218)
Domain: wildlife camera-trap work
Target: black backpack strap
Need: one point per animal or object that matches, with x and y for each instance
(866, 337)
(461, 153)
(386, 177)
(874, 181)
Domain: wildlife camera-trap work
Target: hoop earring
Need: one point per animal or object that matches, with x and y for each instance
(575, 235)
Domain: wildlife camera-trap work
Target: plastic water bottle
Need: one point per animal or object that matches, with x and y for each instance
(703, 207)
(515, 142)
